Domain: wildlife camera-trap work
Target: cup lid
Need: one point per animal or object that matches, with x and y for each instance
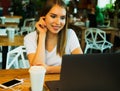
(9, 28)
(37, 69)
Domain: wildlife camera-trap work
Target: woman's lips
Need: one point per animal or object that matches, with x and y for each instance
(56, 27)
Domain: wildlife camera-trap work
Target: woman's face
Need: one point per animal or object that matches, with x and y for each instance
(55, 19)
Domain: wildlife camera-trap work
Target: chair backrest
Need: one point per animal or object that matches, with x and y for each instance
(13, 56)
(28, 25)
(95, 35)
(3, 31)
(28, 20)
(96, 39)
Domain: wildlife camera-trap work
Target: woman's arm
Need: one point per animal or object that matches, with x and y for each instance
(38, 57)
(53, 69)
(57, 69)
(49, 69)
(77, 51)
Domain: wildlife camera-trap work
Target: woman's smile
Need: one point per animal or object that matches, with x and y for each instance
(56, 27)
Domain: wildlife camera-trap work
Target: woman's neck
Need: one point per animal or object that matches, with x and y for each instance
(51, 41)
(51, 36)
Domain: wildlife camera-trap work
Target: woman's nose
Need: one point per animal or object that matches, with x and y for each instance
(57, 21)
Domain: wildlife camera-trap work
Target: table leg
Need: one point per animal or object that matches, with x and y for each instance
(83, 40)
(4, 56)
(112, 37)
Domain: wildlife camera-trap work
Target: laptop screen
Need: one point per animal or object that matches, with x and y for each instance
(90, 72)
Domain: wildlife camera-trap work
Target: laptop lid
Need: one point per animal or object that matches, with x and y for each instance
(90, 72)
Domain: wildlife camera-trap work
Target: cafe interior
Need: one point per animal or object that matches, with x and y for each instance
(95, 22)
(86, 17)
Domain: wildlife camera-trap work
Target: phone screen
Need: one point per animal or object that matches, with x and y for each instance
(12, 82)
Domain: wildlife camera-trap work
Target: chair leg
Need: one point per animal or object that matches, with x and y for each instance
(0, 48)
(91, 50)
(101, 51)
(16, 64)
(23, 61)
(85, 51)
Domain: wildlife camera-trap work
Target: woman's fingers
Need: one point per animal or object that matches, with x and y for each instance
(41, 25)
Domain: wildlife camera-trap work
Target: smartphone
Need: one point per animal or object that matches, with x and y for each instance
(11, 83)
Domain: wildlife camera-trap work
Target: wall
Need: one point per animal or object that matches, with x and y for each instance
(5, 4)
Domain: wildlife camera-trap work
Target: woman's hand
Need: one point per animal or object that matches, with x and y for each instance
(41, 25)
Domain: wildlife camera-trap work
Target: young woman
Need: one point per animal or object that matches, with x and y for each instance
(52, 39)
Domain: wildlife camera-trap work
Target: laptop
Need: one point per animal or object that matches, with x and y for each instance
(88, 72)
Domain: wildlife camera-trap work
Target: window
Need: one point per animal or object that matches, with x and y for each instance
(102, 3)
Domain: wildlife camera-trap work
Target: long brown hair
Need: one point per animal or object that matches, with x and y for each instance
(61, 43)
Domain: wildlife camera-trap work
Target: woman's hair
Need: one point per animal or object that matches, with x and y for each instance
(61, 43)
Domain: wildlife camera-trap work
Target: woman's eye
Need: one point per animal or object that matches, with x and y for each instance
(53, 16)
(63, 17)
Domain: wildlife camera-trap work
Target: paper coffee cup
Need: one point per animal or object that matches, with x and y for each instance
(37, 74)
(87, 23)
(11, 13)
(3, 19)
(11, 34)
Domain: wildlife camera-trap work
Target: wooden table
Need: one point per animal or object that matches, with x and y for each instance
(14, 16)
(4, 42)
(12, 19)
(108, 30)
(14, 25)
(6, 75)
(112, 31)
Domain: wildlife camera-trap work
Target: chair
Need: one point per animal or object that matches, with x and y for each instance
(28, 26)
(96, 39)
(3, 31)
(16, 58)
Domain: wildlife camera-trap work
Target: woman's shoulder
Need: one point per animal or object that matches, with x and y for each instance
(70, 31)
(31, 35)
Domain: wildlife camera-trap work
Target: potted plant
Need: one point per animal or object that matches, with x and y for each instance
(112, 11)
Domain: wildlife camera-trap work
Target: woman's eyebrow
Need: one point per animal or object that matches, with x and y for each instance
(56, 14)
(53, 14)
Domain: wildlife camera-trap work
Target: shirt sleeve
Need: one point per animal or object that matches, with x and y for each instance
(72, 42)
(30, 42)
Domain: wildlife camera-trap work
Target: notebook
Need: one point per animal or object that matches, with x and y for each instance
(88, 72)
